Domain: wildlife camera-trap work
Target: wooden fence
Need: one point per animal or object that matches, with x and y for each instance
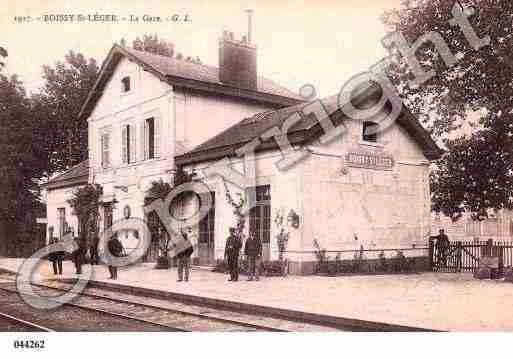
(463, 256)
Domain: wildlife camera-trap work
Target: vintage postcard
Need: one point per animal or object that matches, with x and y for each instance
(242, 166)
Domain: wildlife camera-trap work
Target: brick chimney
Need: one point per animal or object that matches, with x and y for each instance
(237, 62)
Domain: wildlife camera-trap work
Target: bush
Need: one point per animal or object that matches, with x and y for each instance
(360, 264)
(220, 267)
(163, 263)
(400, 263)
(358, 261)
(383, 265)
(267, 268)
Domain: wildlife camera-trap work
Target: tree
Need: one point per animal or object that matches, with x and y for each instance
(3, 53)
(152, 43)
(57, 107)
(86, 203)
(475, 173)
(159, 190)
(19, 166)
(238, 211)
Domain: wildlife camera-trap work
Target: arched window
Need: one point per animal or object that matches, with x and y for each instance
(126, 83)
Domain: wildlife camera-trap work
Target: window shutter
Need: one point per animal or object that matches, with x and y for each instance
(144, 149)
(107, 151)
(102, 158)
(157, 136)
(133, 144)
(124, 144)
(106, 159)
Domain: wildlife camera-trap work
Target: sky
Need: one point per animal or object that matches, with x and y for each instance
(322, 43)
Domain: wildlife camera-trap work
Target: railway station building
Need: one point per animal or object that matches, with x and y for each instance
(149, 115)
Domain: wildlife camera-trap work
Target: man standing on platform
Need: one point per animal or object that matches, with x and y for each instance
(185, 251)
(442, 245)
(253, 252)
(116, 250)
(231, 254)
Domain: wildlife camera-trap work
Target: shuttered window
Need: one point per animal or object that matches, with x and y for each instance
(152, 138)
(128, 149)
(125, 138)
(132, 144)
(150, 132)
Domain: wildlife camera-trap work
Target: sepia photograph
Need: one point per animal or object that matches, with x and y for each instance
(342, 170)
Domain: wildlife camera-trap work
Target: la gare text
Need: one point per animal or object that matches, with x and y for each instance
(113, 18)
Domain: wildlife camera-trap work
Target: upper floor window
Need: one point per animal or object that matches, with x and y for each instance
(128, 144)
(151, 138)
(125, 84)
(104, 144)
(370, 131)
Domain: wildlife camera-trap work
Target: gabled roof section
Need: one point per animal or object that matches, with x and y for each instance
(181, 73)
(303, 132)
(75, 176)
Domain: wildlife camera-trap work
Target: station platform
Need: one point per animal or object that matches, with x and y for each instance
(432, 301)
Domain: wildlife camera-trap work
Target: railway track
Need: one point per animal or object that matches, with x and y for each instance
(146, 314)
(185, 315)
(19, 324)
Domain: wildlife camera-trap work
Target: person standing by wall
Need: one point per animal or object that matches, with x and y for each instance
(442, 245)
(253, 253)
(231, 254)
(78, 254)
(184, 254)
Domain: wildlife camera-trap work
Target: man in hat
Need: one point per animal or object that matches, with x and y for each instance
(231, 254)
(185, 250)
(253, 252)
(116, 250)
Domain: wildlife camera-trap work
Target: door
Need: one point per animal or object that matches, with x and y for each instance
(62, 221)
(260, 219)
(206, 243)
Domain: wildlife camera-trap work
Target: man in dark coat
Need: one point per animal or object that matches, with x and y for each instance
(93, 250)
(184, 253)
(116, 249)
(442, 245)
(57, 256)
(78, 255)
(253, 253)
(231, 254)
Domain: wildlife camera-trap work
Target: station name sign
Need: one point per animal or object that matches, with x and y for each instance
(377, 161)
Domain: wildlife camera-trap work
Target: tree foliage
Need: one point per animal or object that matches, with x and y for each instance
(159, 190)
(56, 110)
(20, 163)
(86, 203)
(3, 53)
(474, 175)
(154, 44)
